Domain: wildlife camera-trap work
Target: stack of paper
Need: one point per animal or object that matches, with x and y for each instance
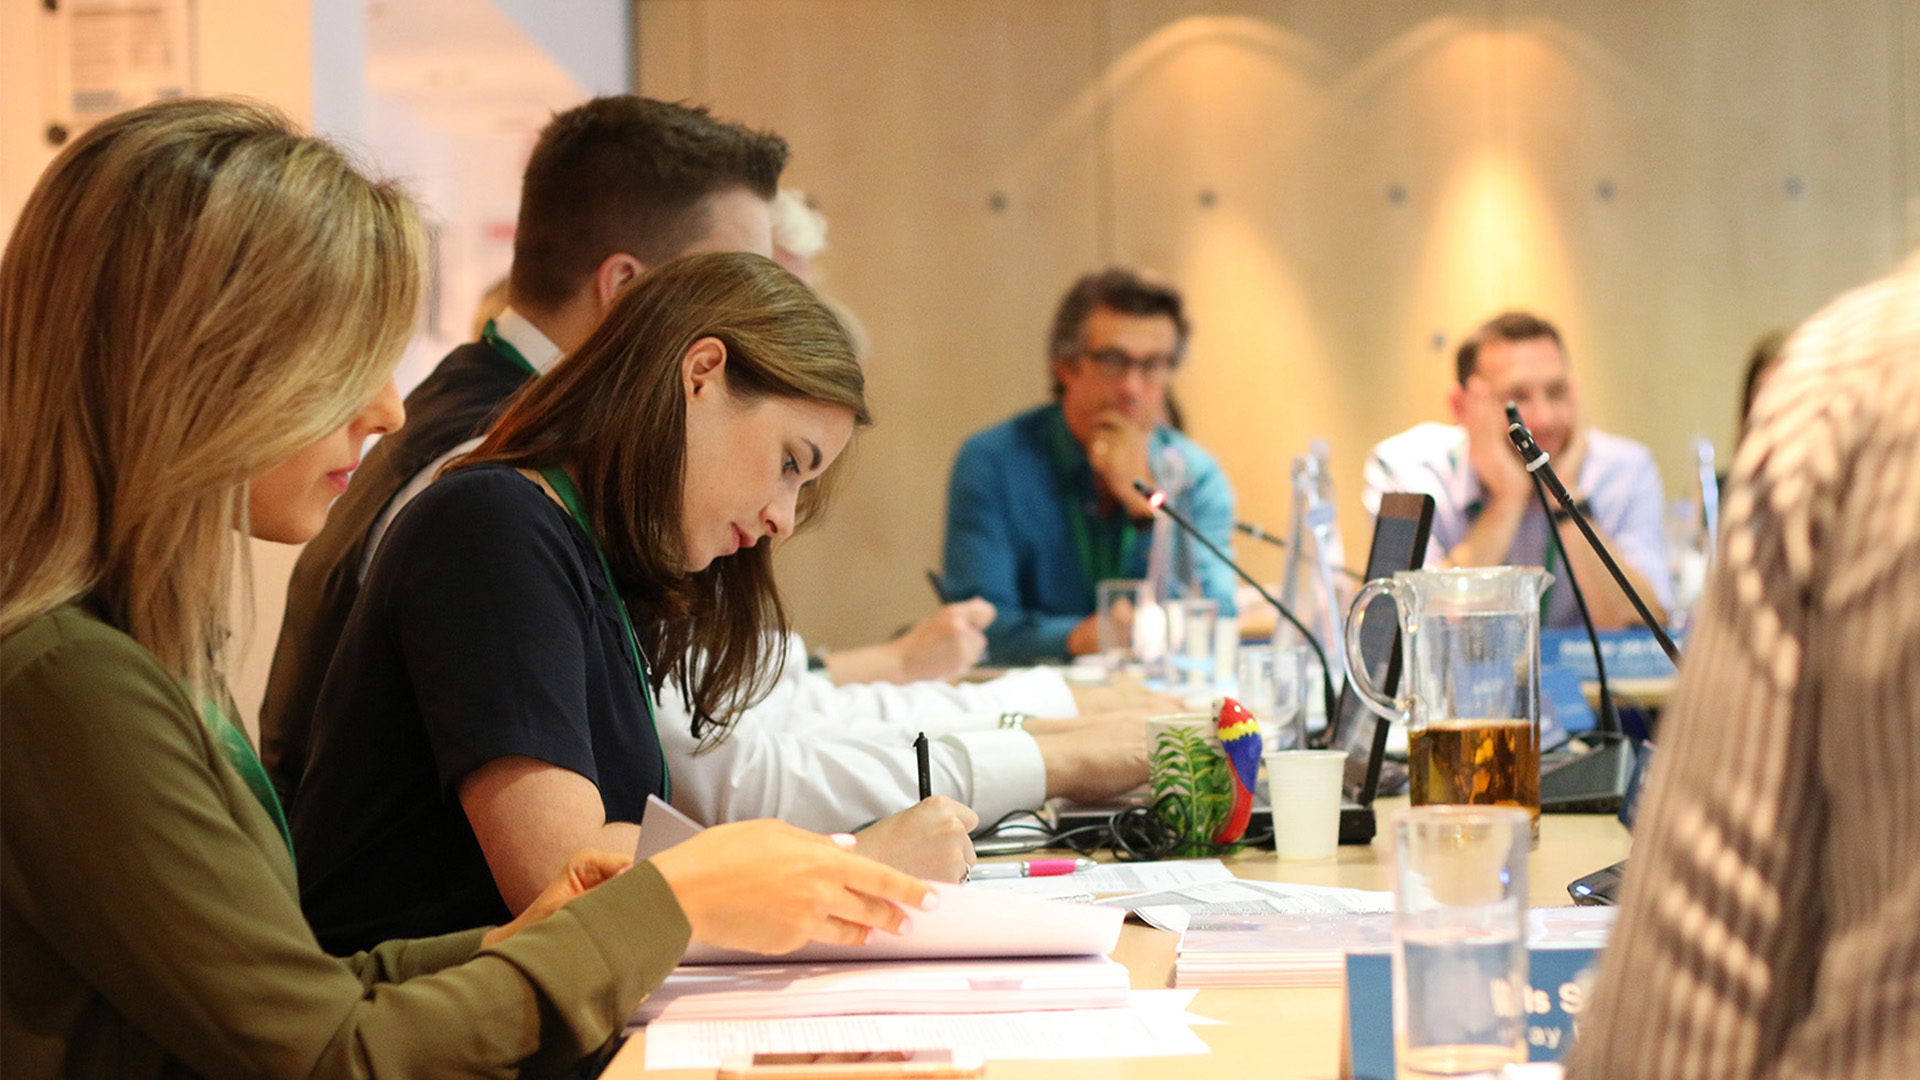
(988, 972)
(1154, 1023)
(1276, 950)
(768, 991)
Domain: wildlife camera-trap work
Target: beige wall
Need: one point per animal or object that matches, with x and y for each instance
(256, 48)
(1666, 178)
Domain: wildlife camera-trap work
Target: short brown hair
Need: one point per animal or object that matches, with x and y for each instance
(615, 412)
(1506, 326)
(1117, 288)
(627, 174)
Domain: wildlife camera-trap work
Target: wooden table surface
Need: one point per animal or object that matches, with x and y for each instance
(1273, 1034)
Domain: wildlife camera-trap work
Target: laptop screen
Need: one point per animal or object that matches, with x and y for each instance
(1399, 543)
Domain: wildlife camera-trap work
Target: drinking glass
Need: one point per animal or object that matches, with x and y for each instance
(1116, 604)
(1459, 940)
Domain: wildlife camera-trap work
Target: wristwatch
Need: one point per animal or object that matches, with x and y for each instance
(1561, 514)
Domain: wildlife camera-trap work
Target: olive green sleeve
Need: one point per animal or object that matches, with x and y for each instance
(133, 851)
(398, 961)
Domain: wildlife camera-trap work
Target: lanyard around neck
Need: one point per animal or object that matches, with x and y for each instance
(240, 754)
(490, 334)
(563, 486)
(1110, 560)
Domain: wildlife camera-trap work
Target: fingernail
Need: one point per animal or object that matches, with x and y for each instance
(905, 927)
(930, 901)
(871, 934)
(844, 839)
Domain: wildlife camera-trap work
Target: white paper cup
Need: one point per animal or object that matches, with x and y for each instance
(1304, 787)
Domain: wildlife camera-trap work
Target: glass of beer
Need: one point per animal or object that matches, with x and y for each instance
(1470, 644)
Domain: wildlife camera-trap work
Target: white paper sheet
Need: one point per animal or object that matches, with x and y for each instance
(1250, 898)
(969, 923)
(1115, 878)
(661, 827)
(1147, 1031)
(771, 991)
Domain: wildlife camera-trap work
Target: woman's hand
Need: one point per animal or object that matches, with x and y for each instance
(767, 887)
(928, 840)
(585, 870)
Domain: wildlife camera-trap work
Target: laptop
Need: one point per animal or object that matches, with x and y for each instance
(1400, 534)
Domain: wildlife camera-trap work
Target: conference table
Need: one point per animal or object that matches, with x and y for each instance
(1274, 1034)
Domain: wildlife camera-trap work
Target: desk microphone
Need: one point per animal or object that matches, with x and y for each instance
(1599, 779)
(1248, 528)
(1158, 500)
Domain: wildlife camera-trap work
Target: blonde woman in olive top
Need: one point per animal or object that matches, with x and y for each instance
(200, 311)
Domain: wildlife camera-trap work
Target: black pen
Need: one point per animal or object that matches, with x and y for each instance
(939, 587)
(926, 766)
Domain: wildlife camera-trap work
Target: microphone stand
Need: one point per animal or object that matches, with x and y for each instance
(1536, 462)
(1608, 720)
(1598, 780)
(1158, 500)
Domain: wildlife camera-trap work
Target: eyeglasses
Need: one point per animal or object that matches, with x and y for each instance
(1115, 364)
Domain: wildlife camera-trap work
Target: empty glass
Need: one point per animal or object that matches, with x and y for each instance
(1189, 667)
(1116, 605)
(1271, 678)
(1459, 940)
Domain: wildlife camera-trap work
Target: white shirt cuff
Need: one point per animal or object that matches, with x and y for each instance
(1006, 769)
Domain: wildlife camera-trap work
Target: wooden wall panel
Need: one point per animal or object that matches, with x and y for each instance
(950, 146)
(1342, 189)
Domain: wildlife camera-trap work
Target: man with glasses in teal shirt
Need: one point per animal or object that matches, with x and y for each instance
(1041, 508)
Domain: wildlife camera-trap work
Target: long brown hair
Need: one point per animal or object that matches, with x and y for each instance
(614, 412)
(194, 292)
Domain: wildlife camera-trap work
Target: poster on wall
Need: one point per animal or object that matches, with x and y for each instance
(123, 53)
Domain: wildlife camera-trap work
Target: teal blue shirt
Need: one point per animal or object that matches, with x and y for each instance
(1012, 538)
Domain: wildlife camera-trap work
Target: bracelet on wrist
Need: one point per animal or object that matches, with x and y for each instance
(1561, 514)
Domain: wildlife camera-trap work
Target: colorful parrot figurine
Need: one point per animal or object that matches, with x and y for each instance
(1240, 735)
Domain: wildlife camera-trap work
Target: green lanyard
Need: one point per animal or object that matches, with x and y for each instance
(563, 486)
(490, 334)
(1109, 559)
(240, 754)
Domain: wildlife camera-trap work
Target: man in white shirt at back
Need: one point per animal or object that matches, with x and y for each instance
(1485, 509)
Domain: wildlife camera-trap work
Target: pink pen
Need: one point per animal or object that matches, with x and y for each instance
(1030, 868)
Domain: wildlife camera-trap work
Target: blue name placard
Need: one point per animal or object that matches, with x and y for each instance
(1631, 654)
(1559, 977)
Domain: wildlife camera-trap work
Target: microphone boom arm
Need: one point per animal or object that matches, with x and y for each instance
(1536, 462)
(1158, 500)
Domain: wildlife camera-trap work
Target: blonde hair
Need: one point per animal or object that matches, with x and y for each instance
(194, 292)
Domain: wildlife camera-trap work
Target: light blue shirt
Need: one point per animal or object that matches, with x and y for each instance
(1618, 479)
(1010, 538)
